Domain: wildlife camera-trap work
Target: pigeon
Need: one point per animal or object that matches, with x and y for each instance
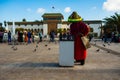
(36, 46)
(46, 45)
(34, 50)
(12, 46)
(53, 7)
(104, 45)
(38, 42)
(15, 48)
(108, 51)
(98, 50)
(49, 48)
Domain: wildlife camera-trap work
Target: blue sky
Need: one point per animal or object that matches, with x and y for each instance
(32, 10)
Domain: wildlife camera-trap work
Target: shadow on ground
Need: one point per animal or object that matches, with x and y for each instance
(30, 64)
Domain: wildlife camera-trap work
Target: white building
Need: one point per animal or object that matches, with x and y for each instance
(53, 21)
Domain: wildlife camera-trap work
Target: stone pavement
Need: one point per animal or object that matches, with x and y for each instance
(25, 63)
(113, 48)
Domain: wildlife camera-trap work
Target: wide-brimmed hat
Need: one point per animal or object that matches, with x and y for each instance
(74, 17)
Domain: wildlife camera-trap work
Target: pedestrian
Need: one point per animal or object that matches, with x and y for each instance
(60, 36)
(33, 36)
(52, 36)
(9, 37)
(77, 28)
(25, 36)
(5, 36)
(29, 36)
(1, 36)
(18, 36)
(21, 36)
(40, 36)
(90, 37)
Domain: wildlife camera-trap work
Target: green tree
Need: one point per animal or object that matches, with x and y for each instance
(24, 20)
(113, 22)
(19, 29)
(2, 29)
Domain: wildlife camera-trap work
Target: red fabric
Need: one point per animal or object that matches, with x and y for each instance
(79, 50)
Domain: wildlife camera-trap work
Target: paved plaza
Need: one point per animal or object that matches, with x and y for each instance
(31, 62)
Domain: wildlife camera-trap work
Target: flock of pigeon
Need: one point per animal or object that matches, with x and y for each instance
(104, 45)
(14, 46)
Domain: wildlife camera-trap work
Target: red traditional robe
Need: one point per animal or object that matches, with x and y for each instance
(79, 49)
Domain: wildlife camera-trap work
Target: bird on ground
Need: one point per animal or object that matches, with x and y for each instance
(104, 45)
(15, 48)
(36, 46)
(98, 50)
(49, 48)
(38, 42)
(108, 51)
(46, 45)
(34, 50)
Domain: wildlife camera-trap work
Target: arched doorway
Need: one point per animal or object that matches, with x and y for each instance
(52, 19)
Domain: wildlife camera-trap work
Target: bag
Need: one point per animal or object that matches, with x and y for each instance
(85, 41)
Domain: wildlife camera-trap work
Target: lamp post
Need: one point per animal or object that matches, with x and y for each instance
(13, 32)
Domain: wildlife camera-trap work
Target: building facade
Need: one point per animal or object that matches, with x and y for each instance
(50, 22)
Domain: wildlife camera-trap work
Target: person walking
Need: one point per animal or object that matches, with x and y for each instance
(9, 37)
(21, 36)
(77, 28)
(52, 36)
(25, 36)
(40, 36)
(29, 36)
(33, 36)
(1, 36)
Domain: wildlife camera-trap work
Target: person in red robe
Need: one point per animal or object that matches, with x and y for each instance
(77, 28)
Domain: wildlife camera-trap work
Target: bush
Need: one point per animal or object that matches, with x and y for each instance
(2, 29)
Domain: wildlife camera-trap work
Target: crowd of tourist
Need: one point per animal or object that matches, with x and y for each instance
(111, 37)
(30, 36)
(20, 36)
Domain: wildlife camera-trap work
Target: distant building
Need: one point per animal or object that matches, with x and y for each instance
(53, 21)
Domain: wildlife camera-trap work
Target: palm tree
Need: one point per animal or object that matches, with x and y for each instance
(113, 22)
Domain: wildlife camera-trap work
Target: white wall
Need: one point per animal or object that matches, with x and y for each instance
(59, 26)
(26, 27)
(45, 29)
(65, 26)
(96, 28)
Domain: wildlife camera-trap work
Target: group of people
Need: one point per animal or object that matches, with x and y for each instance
(111, 37)
(65, 36)
(5, 36)
(20, 36)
